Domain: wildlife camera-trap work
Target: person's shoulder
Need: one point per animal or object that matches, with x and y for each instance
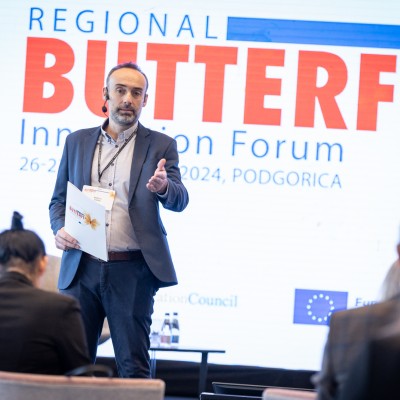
(387, 307)
(155, 134)
(78, 134)
(366, 310)
(351, 313)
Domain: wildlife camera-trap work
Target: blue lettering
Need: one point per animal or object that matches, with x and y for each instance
(304, 156)
(320, 180)
(336, 181)
(278, 178)
(234, 143)
(266, 147)
(295, 180)
(38, 130)
(185, 139)
(306, 179)
(57, 19)
(106, 22)
(135, 23)
(329, 148)
(208, 141)
(35, 18)
(204, 144)
(89, 23)
(267, 178)
(153, 19)
(207, 26)
(291, 178)
(34, 133)
(186, 19)
(278, 147)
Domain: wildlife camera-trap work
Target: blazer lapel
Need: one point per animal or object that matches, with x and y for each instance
(142, 144)
(89, 147)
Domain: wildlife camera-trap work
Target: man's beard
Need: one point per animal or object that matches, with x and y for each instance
(127, 119)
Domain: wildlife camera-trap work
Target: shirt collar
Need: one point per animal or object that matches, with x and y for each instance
(121, 136)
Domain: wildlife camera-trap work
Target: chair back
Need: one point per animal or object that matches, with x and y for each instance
(288, 394)
(18, 386)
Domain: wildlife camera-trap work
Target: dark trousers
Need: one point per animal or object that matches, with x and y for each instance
(122, 291)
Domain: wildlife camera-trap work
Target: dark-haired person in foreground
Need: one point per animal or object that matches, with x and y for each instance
(139, 169)
(351, 330)
(40, 332)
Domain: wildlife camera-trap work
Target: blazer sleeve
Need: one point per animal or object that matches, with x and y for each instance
(177, 196)
(59, 198)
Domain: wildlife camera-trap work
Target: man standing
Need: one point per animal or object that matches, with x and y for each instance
(139, 168)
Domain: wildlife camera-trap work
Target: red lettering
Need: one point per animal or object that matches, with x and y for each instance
(127, 51)
(167, 56)
(308, 92)
(96, 60)
(258, 85)
(40, 70)
(371, 92)
(215, 58)
(37, 74)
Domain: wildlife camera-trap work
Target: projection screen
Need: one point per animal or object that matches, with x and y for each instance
(286, 116)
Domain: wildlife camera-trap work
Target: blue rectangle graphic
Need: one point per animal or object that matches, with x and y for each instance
(313, 32)
(314, 307)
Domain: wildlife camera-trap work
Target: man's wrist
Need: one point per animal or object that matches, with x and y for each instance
(164, 193)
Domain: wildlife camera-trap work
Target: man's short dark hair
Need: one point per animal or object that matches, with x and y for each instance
(130, 65)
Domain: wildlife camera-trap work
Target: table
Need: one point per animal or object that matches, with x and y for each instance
(106, 349)
(203, 364)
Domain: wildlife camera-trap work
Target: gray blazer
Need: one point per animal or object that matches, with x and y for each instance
(150, 147)
(349, 332)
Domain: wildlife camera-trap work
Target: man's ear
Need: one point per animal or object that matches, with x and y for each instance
(105, 94)
(145, 100)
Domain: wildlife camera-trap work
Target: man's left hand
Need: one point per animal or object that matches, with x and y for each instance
(158, 183)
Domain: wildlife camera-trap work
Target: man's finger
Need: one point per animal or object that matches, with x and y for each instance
(161, 164)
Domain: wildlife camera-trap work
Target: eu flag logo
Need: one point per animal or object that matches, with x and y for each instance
(314, 307)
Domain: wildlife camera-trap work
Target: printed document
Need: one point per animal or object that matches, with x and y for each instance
(85, 221)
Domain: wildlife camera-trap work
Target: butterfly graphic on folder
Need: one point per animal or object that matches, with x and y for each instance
(92, 222)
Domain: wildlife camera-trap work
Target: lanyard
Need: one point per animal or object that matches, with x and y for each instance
(100, 174)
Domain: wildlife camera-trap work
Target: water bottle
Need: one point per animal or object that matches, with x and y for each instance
(166, 331)
(155, 333)
(175, 330)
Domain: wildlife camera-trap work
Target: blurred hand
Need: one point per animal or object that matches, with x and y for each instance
(64, 241)
(158, 182)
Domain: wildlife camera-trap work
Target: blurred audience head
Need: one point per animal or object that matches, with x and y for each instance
(391, 284)
(22, 250)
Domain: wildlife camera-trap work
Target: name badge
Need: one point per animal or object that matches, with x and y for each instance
(103, 196)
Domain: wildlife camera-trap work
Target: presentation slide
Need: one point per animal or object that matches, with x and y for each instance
(286, 115)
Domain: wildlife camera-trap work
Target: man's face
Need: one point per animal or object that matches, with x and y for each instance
(127, 95)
